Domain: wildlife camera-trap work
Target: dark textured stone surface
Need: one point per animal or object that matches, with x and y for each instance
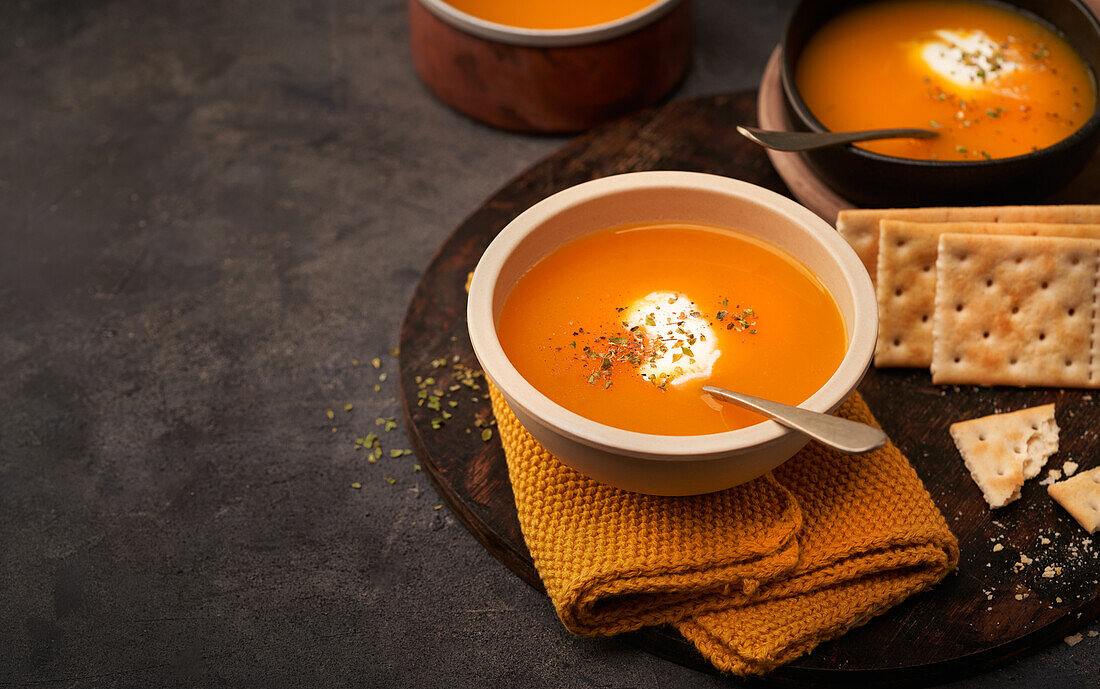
(208, 211)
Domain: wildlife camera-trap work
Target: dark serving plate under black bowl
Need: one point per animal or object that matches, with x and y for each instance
(873, 179)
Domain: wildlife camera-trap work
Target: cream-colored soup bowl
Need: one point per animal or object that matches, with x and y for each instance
(665, 464)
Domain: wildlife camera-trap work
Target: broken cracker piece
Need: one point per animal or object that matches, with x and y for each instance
(1080, 496)
(1016, 311)
(1001, 451)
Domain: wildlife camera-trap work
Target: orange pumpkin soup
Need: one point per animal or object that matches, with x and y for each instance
(625, 326)
(994, 82)
(550, 14)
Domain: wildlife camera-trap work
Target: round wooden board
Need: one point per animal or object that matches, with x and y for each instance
(810, 191)
(970, 622)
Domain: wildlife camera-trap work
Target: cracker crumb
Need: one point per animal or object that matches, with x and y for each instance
(1068, 468)
(1019, 597)
(1093, 633)
(1073, 640)
(1043, 540)
(1058, 599)
(1052, 476)
(998, 548)
(1024, 562)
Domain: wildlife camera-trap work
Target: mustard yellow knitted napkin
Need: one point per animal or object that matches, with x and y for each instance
(754, 576)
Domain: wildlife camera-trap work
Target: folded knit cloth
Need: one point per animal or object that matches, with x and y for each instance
(755, 576)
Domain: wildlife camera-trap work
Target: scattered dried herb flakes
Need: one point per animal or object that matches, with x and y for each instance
(486, 434)
(372, 445)
(376, 362)
(437, 507)
(395, 351)
(357, 485)
(330, 414)
(349, 406)
(432, 393)
(416, 467)
(391, 481)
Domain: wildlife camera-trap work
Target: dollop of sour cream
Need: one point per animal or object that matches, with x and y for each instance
(969, 59)
(684, 346)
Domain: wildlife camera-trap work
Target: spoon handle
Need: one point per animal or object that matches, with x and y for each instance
(808, 141)
(851, 437)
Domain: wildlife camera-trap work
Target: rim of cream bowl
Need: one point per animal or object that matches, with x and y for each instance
(517, 35)
(483, 336)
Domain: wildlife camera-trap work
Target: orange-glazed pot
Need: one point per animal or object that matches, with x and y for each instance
(550, 80)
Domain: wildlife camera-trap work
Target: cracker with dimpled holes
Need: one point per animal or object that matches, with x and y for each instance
(860, 226)
(1080, 496)
(1001, 451)
(906, 284)
(1016, 311)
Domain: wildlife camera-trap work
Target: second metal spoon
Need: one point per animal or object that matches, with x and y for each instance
(808, 141)
(851, 437)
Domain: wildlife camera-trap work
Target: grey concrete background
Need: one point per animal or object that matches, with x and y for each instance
(208, 210)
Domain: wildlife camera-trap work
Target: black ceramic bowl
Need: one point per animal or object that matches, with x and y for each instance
(873, 179)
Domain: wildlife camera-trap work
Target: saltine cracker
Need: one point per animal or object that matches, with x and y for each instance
(860, 226)
(906, 284)
(1016, 311)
